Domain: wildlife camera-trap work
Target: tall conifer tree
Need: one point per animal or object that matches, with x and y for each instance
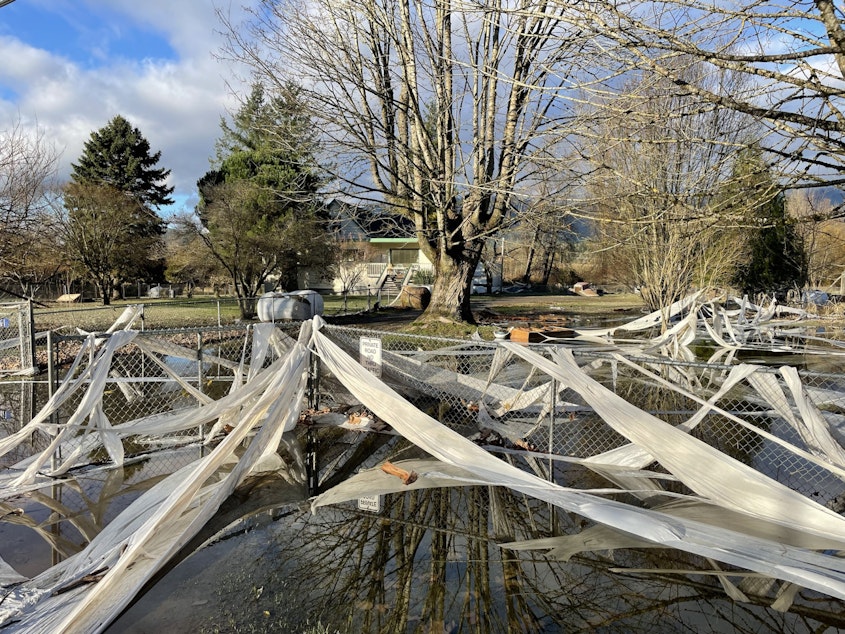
(119, 155)
(118, 159)
(775, 256)
(257, 206)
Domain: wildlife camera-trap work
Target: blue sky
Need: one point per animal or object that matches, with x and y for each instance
(69, 66)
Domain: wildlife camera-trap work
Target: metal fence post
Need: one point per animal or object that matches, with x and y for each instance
(31, 319)
(52, 385)
(199, 374)
(314, 382)
(51, 367)
(55, 459)
(312, 459)
(553, 403)
(312, 464)
(553, 399)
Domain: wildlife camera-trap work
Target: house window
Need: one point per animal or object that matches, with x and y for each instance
(405, 256)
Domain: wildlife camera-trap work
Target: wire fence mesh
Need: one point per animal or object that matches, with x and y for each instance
(155, 316)
(452, 380)
(561, 423)
(141, 384)
(16, 340)
(176, 314)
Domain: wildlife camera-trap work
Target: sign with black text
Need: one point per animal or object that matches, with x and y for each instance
(370, 351)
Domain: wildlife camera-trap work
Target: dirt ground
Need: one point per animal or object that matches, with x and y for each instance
(565, 305)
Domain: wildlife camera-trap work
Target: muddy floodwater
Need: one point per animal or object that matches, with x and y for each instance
(437, 561)
(434, 561)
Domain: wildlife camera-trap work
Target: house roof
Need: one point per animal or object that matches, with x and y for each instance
(363, 222)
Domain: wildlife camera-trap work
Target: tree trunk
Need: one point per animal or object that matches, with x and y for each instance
(105, 291)
(248, 307)
(450, 294)
(289, 280)
(548, 265)
(529, 261)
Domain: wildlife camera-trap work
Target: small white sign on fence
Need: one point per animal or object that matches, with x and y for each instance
(370, 503)
(370, 350)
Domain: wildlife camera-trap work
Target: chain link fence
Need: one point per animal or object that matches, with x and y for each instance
(17, 353)
(451, 380)
(561, 423)
(157, 315)
(175, 314)
(141, 384)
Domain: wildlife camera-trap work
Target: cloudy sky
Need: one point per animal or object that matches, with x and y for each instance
(70, 66)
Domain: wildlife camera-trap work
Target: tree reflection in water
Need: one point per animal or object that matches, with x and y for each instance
(430, 561)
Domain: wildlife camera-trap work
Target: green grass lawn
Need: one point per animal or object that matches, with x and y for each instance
(182, 312)
(206, 311)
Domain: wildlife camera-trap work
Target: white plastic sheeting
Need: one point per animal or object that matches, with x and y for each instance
(704, 469)
(737, 516)
(87, 591)
(820, 571)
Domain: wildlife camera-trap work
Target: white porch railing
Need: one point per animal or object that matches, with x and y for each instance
(375, 269)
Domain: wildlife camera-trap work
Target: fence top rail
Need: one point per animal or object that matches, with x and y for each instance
(373, 332)
(435, 342)
(479, 346)
(239, 328)
(149, 303)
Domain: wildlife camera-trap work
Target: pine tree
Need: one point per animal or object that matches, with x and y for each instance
(117, 159)
(257, 205)
(119, 155)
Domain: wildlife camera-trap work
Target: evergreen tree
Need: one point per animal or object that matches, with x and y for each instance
(119, 155)
(117, 158)
(257, 213)
(776, 259)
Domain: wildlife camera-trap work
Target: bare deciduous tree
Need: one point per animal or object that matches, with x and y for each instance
(824, 239)
(350, 269)
(430, 107)
(790, 54)
(27, 168)
(188, 260)
(93, 220)
(660, 165)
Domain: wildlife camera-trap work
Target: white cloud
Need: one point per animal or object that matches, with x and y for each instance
(176, 103)
(29, 63)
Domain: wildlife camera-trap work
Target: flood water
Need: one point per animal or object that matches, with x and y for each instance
(432, 561)
(426, 561)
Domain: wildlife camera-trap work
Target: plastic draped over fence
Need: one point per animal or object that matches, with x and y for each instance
(728, 512)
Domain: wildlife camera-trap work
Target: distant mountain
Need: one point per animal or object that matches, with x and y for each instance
(834, 194)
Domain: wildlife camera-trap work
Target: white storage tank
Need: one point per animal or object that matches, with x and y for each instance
(296, 305)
